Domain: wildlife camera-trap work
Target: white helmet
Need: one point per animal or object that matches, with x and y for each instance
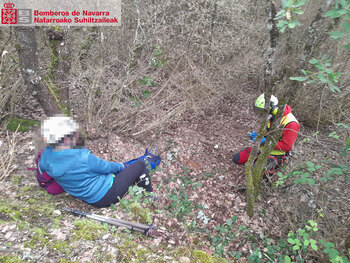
(57, 127)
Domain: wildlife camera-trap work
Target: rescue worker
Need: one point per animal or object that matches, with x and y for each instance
(82, 174)
(284, 145)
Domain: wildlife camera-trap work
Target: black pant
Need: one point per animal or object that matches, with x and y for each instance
(135, 173)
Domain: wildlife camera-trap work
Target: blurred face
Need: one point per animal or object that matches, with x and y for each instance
(70, 141)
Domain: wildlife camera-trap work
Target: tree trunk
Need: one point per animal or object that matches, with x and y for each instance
(60, 64)
(254, 170)
(28, 61)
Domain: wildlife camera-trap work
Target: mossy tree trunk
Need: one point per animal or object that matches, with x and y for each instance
(60, 64)
(254, 170)
(28, 61)
(249, 167)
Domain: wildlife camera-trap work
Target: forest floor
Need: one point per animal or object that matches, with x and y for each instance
(200, 216)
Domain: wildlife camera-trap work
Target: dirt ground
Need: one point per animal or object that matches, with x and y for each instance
(197, 186)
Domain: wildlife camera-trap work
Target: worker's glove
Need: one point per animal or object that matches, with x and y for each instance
(263, 141)
(252, 135)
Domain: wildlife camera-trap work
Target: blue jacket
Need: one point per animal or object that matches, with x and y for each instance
(79, 172)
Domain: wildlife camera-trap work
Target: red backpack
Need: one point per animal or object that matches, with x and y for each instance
(45, 180)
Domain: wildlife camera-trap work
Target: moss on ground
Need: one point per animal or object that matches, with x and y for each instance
(89, 230)
(202, 257)
(141, 213)
(24, 124)
(10, 259)
(32, 211)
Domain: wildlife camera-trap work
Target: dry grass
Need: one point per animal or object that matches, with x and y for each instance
(10, 81)
(210, 49)
(314, 104)
(8, 149)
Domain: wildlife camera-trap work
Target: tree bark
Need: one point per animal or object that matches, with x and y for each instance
(60, 63)
(29, 65)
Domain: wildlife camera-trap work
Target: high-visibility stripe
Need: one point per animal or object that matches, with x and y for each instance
(284, 122)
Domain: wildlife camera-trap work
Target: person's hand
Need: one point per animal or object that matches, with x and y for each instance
(252, 135)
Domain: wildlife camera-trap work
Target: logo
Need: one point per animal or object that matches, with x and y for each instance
(9, 14)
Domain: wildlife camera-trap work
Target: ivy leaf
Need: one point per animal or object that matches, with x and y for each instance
(291, 241)
(146, 93)
(292, 25)
(298, 78)
(311, 181)
(322, 78)
(304, 72)
(333, 253)
(311, 81)
(310, 164)
(344, 125)
(314, 61)
(300, 3)
(298, 11)
(296, 247)
(287, 259)
(346, 26)
(313, 244)
(337, 34)
(285, 3)
(281, 12)
(335, 13)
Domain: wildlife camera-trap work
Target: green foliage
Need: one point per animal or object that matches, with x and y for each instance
(23, 125)
(301, 240)
(287, 17)
(323, 76)
(156, 60)
(346, 149)
(333, 135)
(338, 170)
(300, 177)
(296, 247)
(180, 205)
(147, 81)
(342, 10)
(334, 256)
(304, 179)
(224, 236)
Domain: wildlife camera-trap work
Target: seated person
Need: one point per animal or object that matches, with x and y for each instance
(285, 144)
(82, 174)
